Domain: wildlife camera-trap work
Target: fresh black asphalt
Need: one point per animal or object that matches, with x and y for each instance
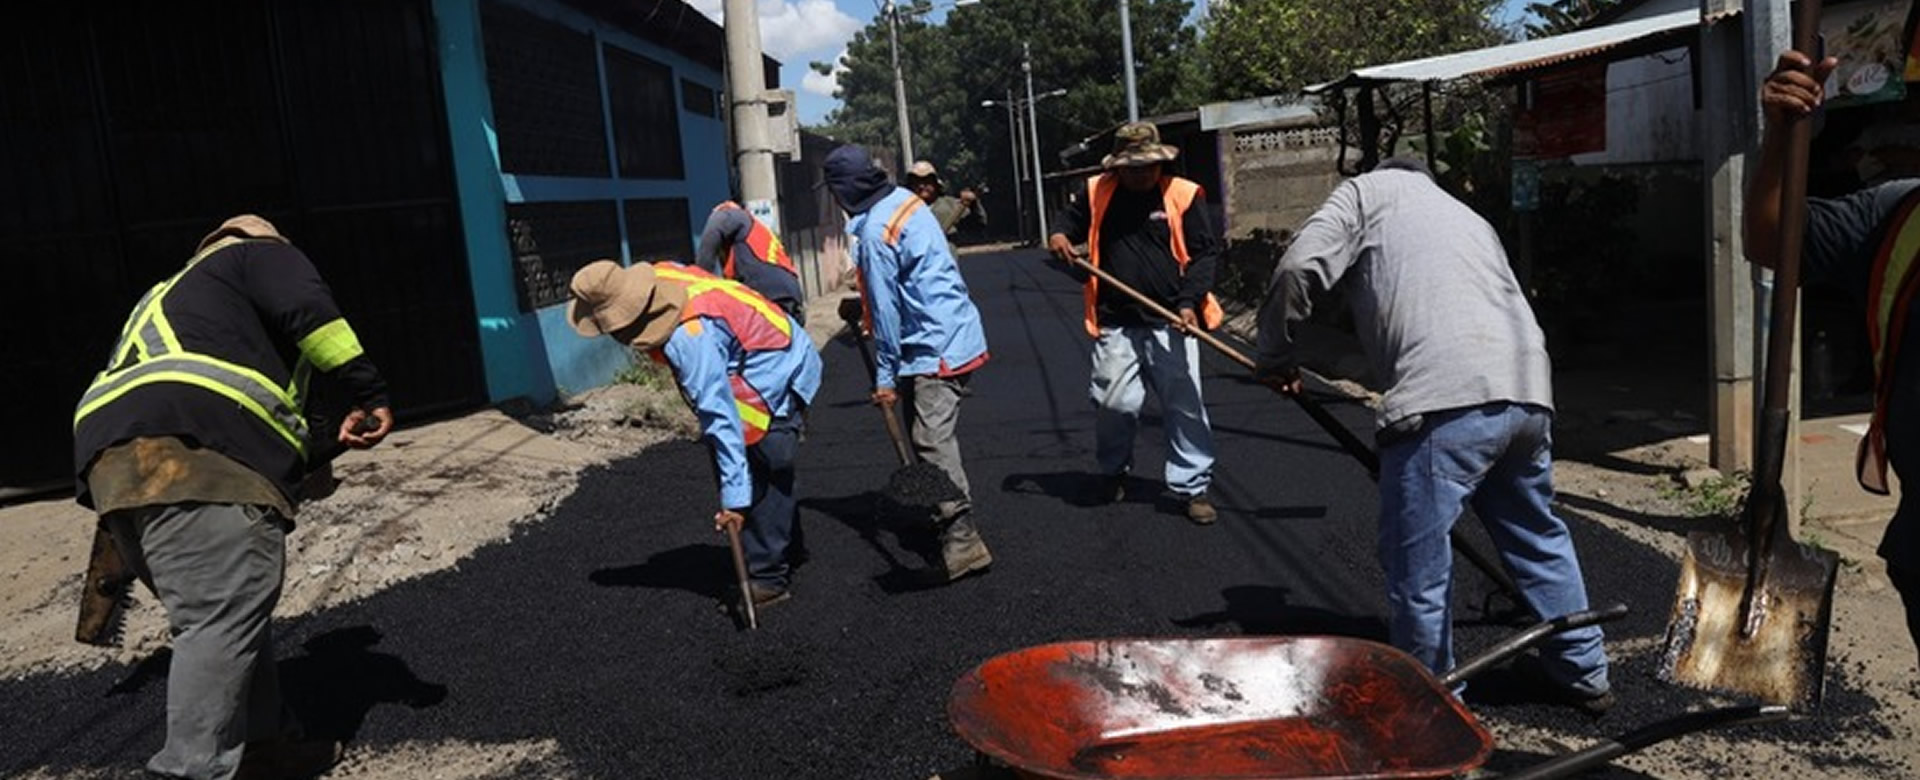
(597, 627)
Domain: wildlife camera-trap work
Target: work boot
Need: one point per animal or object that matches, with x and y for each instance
(1200, 509)
(962, 552)
(766, 595)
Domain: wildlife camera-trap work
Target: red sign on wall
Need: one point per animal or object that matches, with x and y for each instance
(1567, 116)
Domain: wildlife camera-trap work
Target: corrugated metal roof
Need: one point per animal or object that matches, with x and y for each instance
(1526, 55)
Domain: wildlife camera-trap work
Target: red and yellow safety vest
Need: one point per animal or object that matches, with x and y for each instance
(1176, 196)
(766, 246)
(755, 321)
(1889, 294)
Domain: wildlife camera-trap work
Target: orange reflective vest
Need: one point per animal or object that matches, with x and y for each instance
(1889, 297)
(754, 320)
(1176, 196)
(761, 241)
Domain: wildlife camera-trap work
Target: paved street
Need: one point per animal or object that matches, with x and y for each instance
(597, 627)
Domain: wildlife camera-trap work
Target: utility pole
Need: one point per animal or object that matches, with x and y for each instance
(746, 88)
(899, 88)
(1018, 157)
(1033, 134)
(1126, 54)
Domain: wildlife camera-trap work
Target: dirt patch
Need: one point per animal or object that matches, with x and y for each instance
(428, 498)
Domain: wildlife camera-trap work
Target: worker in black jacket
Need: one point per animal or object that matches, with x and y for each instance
(191, 446)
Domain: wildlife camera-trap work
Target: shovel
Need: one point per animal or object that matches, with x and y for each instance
(1753, 606)
(917, 484)
(740, 575)
(1348, 441)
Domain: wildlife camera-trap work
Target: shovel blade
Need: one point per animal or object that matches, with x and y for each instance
(1780, 657)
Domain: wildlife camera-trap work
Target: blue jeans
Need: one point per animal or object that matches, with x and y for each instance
(1498, 458)
(1128, 361)
(773, 522)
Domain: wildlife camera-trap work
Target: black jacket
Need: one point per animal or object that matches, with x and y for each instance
(249, 304)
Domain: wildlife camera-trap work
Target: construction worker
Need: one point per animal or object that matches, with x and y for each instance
(1467, 414)
(927, 335)
(1150, 230)
(746, 368)
(925, 182)
(1865, 243)
(735, 245)
(191, 446)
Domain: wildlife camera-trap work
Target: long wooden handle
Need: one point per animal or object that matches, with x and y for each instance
(1348, 441)
(895, 433)
(740, 575)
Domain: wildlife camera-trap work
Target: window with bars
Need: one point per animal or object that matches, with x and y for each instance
(646, 128)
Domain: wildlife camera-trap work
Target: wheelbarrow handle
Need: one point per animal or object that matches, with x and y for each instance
(1680, 725)
(1514, 645)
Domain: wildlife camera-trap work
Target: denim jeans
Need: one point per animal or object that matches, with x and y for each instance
(1128, 361)
(1498, 458)
(773, 522)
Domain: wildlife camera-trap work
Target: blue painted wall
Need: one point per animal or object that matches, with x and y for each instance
(537, 355)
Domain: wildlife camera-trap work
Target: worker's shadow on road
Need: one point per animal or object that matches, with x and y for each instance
(1265, 610)
(900, 541)
(1083, 489)
(331, 688)
(696, 568)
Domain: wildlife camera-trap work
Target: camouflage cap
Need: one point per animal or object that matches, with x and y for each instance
(1138, 143)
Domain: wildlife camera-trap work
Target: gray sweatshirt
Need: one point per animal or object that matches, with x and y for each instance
(1434, 299)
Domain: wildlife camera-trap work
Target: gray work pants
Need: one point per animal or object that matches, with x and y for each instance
(217, 568)
(935, 405)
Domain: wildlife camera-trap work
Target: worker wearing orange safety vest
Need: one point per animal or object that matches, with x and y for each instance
(1150, 230)
(735, 245)
(1866, 243)
(746, 368)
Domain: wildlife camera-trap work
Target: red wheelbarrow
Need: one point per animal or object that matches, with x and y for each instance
(1256, 707)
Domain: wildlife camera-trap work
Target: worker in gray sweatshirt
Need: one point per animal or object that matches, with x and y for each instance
(1466, 414)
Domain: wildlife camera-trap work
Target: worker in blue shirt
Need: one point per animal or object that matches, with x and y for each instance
(927, 335)
(747, 369)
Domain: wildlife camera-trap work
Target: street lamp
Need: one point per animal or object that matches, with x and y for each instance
(1033, 132)
(1126, 54)
(1017, 157)
(892, 10)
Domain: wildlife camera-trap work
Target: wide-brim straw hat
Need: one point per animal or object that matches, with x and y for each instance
(1138, 143)
(609, 298)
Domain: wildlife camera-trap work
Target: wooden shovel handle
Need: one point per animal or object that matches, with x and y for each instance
(895, 433)
(740, 575)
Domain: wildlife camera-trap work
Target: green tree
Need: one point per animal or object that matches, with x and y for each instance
(1564, 16)
(949, 69)
(1262, 47)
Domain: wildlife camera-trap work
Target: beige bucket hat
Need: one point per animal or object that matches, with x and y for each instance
(1138, 143)
(608, 298)
(923, 170)
(243, 226)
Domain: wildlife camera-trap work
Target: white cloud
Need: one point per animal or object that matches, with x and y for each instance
(795, 28)
(792, 28)
(825, 85)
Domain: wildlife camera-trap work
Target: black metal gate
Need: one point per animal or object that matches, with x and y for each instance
(128, 130)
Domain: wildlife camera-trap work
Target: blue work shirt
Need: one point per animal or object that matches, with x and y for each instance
(704, 354)
(924, 322)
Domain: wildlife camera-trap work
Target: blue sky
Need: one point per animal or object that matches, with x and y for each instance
(798, 32)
